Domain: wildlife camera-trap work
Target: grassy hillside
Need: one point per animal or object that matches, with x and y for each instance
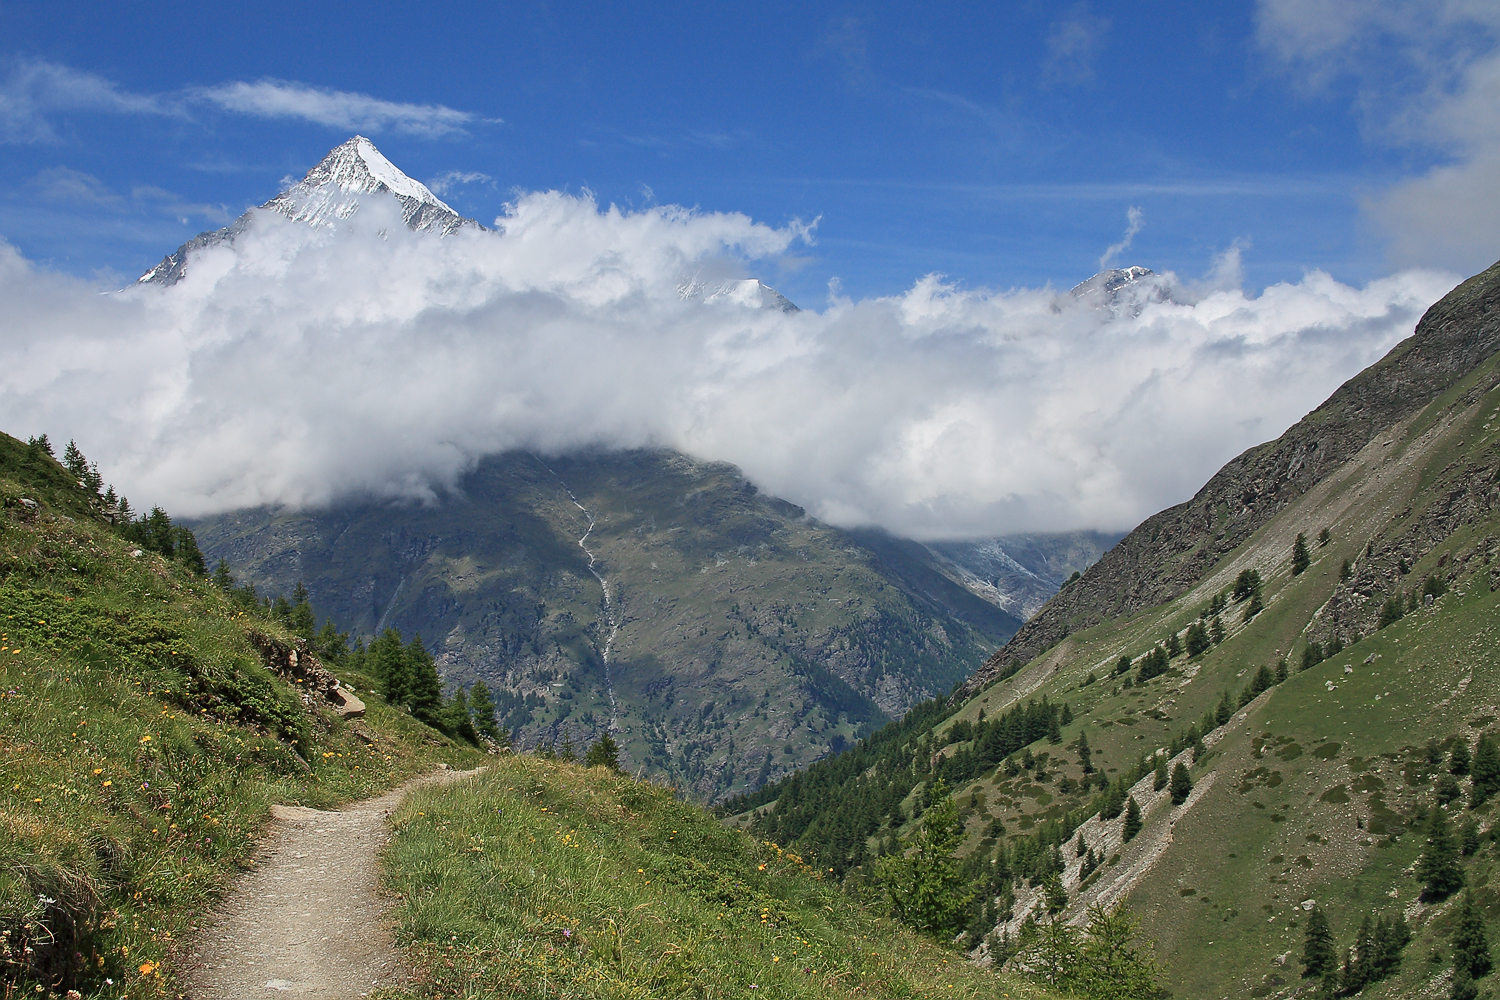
(751, 640)
(1310, 790)
(547, 879)
(142, 743)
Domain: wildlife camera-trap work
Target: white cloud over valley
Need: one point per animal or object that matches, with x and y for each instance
(303, 364)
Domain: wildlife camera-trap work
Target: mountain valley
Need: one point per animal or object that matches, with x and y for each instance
(1312, 639)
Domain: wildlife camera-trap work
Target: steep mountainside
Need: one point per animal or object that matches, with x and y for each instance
(1172, 550)
(1340, 665)
(722, 636)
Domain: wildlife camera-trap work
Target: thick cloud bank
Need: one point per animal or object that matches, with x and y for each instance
(302, 365)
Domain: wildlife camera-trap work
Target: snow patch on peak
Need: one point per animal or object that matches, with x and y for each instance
(387, 173)
(331, 190)
(748, 292)
(1123, 290)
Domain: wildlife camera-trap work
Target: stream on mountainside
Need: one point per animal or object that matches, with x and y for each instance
(609, 605)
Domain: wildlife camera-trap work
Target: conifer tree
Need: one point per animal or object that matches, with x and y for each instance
(1359, 961)
(1485, 771)
(1197, 639)
(386, 661)
(1113, 801)
(74, 461)
(456, 718)
(1111, 964)
(1460, 760)
(566, 753)
(425, 697)
(1159, 780)
(1132, 825)
(331, 645)
(1438, 869)
(1471, 946)
(1463, 985)
(1085, 754)
(1319, 957)
(1123, 667)
(482, 706)
(1174, 646)
(604, 753)
(1215, 630)
(923, 880)
(1246, 584)
(1181, 785)
(1300, 560)
(302, 620)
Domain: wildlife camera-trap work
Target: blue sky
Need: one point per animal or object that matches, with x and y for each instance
(1308, 175)
(1001, 145)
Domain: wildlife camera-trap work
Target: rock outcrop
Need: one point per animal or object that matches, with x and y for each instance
(295, 663)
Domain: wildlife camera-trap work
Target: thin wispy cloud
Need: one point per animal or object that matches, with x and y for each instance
(1073, 44)
(36, 94)
(446, 182)
(77, 188)
(1135, 219)
(34, 91)
(339, 109)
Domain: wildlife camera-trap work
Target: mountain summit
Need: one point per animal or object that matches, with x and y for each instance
(356, 172)
(332, 191)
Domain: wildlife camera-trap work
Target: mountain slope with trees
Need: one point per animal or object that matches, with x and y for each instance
(744, 639)
(1172, 550)
(1267, 742)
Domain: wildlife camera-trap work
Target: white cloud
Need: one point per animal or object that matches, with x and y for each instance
(1072, 46)
(1134, 219)
(36, 92)
(1427, 77)
(303, 364)
(340, 109)
(443, 183)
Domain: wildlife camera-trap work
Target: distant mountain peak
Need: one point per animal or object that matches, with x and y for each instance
(750, 292)
(331, 192)
(1122, 289)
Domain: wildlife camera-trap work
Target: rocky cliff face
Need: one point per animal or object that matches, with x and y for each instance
(1172, 550)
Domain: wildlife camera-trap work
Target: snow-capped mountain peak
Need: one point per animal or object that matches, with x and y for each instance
(331, 192)
(1123, 289)
(749, 292)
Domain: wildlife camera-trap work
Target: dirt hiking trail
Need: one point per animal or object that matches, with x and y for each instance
(308, 918)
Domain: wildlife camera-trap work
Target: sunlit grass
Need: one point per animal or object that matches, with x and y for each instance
(546, 879)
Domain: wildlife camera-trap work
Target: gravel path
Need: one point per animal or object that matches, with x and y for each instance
(308, 918)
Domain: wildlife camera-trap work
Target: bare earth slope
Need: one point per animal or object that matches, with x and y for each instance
(309, 918)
